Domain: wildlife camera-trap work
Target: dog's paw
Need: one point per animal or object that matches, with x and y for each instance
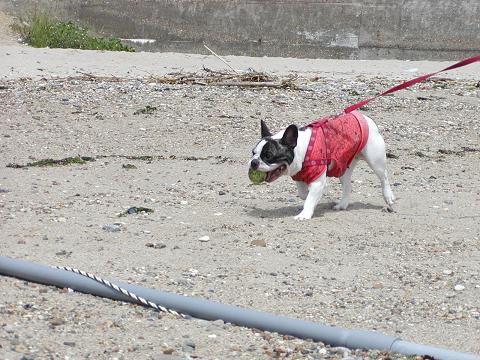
(389, 197)
(303, 216)
(341, 205)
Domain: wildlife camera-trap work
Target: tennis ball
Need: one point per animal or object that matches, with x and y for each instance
(256, 177)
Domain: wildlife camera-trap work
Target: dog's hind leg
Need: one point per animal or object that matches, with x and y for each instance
(346, 181)
(374, 155)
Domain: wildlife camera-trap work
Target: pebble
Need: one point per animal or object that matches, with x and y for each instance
(203, 323)
(459, 287)
(112, 227)
(8, 329)
(447, 272)
(259, 242)
(57, 322)
(190, 344)
(218, 322)
(156, 245)
(204, 238)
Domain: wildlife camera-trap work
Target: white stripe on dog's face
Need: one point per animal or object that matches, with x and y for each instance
(256, 155)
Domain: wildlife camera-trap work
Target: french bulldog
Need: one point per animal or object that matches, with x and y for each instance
(329, 147)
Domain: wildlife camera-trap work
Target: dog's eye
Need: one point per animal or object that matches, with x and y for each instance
(268, 156)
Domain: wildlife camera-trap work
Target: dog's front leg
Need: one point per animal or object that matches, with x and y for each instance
(315, 191)
(302, 189)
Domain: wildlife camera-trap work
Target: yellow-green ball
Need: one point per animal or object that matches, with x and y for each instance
(256, 177)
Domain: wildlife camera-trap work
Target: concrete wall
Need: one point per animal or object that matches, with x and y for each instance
(369, 29)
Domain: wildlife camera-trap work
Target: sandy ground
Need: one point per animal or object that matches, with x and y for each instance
(360, 268)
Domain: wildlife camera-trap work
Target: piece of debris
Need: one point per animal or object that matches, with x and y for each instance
(391, 155)
(146, 110)
(420, 154)
(156, 245)
(112, 227)
(136, 210)
(52, 162)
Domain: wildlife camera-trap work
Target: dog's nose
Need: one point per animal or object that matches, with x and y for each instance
(254, 164)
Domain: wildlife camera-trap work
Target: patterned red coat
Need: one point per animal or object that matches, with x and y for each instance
(335, 141)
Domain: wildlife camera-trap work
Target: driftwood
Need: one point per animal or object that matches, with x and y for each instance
(206, 77)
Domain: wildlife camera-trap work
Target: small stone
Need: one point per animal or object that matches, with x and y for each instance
(221, 192)
(322, 351)
(111, 227)
(447, 272)
(459, 287)
(168, 351)
(69, 343)
(62, 253)
(184, 202)
(259, 242)
(204, 238)
(377, 285)
(8, 329)
(218, 322)
(190, 344)
(156, 245)
(57, 322)
(203, 323)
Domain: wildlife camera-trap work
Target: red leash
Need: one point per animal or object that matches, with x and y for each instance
(411, 82)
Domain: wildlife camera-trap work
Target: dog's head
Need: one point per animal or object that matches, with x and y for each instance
(274, 153)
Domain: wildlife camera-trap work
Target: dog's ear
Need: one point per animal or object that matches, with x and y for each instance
(290, 136)
(265, 131)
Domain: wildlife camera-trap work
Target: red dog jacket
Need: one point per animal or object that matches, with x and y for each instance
(334, 141)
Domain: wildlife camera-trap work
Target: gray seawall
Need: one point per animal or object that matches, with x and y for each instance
(370, 29)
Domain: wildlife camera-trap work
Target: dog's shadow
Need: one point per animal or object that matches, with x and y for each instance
(320, 210)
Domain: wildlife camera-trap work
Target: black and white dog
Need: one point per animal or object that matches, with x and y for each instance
(288, 152)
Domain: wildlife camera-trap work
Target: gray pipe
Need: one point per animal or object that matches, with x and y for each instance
(209, 310)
